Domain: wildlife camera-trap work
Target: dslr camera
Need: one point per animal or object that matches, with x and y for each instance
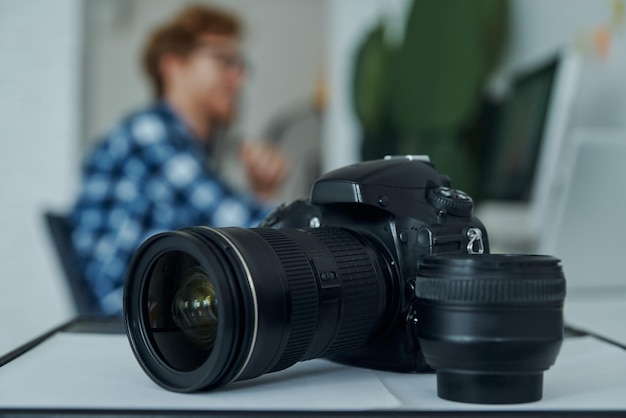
(384, 266)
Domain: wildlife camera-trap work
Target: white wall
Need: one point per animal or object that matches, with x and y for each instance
(540, 27)
(39, 51)
(348, 23)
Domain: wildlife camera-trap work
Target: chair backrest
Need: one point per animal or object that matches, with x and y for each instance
(60, 230)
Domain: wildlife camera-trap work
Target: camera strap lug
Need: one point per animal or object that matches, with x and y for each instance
(475, 244)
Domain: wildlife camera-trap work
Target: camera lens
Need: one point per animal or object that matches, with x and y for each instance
(490, 324)
(205, 307)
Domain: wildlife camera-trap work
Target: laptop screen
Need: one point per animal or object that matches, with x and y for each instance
(512, 154)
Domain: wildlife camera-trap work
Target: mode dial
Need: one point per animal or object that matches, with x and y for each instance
(454, 202)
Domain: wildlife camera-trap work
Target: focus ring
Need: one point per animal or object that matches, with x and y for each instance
(303, 293)
(490, 290)
(490, 278)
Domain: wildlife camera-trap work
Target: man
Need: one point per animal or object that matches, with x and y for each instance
(150, 173)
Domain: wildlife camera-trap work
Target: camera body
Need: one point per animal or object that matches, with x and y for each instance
(406, 210)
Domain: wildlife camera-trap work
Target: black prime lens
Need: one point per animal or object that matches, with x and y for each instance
(490, 324)
(205, 307)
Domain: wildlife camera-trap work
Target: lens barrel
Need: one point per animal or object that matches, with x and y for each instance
(205, 307)
(490, 324)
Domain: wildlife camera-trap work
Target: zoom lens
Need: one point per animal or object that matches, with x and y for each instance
(490, 324)
(205, 307)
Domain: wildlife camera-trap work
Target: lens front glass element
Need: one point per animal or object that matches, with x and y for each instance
(194, 308)
(181, 311)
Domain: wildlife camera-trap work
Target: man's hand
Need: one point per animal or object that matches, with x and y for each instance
(266, 168)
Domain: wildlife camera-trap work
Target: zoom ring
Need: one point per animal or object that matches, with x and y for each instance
(360, 288)
(303, 292)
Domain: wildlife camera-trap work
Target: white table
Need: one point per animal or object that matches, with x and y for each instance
(97, 374)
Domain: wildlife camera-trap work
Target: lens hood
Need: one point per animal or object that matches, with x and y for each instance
(490, 324)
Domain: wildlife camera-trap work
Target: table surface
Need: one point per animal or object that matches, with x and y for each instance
(77, 370)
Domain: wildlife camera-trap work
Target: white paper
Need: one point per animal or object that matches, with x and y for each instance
(99, 371)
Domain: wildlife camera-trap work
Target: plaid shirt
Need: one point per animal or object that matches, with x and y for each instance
(148, 175)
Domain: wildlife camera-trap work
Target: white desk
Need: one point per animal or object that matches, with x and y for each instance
(600, 313)
(98, 373)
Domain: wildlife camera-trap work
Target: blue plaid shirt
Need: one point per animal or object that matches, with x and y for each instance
(148, 175)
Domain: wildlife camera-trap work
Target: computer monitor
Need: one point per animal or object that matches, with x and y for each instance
(512, 154)
(557, 126)
(523, 156)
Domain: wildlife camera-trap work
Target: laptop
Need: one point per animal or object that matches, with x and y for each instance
(588, 232)
(521, 158)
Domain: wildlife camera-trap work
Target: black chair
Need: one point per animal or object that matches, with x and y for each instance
(60, 230)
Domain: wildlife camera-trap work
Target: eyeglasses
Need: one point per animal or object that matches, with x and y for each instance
(228, 59)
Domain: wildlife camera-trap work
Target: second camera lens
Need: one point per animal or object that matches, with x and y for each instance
(490, 324)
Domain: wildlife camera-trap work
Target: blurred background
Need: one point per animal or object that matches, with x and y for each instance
(448, 78)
